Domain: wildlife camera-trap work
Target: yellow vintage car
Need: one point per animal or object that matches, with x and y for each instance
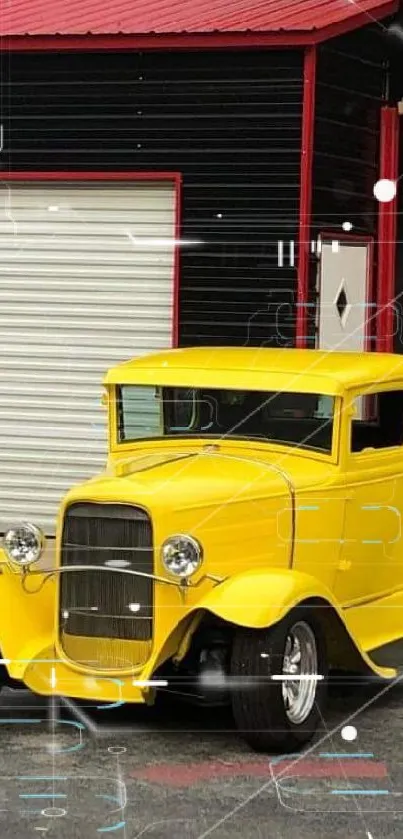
(243, 542)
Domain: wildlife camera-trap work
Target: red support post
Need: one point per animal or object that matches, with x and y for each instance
(387, 225)
(305, 201)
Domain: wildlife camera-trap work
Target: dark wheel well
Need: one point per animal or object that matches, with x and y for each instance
(341, 650)
(6, 680)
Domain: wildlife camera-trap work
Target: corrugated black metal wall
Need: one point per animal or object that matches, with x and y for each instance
(230, 122)
(351, 84)
(351, 80)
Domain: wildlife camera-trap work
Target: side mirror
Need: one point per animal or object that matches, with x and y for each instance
(104, 400)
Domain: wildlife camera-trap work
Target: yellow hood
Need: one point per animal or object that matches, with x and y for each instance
(184, 478)
(236, 504)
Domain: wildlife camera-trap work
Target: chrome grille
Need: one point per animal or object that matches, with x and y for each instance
(106, 604)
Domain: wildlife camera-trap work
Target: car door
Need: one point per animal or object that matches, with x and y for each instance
(371, 555)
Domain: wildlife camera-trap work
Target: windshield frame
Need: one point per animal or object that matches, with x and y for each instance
(199, 440)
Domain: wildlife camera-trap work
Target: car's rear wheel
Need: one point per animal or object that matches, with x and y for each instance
(273, 710)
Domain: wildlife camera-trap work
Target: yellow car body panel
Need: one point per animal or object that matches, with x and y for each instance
(250, 367)
(254, 599)
(27, 622)
(257, 599)
(279, 526)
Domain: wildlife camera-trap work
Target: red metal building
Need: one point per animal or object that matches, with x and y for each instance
(201, 172)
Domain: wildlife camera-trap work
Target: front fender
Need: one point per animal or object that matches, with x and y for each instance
(27, 618)
(259, 598)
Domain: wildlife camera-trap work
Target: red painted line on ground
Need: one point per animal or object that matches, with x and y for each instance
(186, 775)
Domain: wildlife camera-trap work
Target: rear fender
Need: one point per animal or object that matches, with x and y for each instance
(259, 599)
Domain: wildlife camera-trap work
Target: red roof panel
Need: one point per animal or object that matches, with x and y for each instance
(141, 17)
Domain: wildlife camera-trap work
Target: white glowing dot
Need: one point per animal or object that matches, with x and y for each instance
(134, 607)
(54, 812)
(219, 215)
(349, 732)
(117, 563)
(53, 208)
(53, 747)
(347, 226)
(213, 678)
(385, 190)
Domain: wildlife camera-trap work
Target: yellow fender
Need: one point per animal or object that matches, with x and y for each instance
(258, 599)
(27, 619)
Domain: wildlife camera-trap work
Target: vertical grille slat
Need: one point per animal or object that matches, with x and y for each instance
(95, 604)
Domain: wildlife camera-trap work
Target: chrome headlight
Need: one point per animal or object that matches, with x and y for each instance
(24, 544)
(182, 555)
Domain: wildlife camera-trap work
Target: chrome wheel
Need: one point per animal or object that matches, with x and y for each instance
(300, 660)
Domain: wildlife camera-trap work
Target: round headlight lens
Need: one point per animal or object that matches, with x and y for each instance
(24, 544)
(182, 555)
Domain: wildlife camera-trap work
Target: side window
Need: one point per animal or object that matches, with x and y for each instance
(139, 412)
(377, 421)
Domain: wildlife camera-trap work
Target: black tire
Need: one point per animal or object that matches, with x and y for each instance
(259, 708)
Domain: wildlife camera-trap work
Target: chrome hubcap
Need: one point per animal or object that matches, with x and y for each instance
(300, 660)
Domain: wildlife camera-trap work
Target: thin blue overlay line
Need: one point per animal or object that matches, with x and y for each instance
(109, 829)
(360, 792)
(42, 795)
(41, 778)
(346, 754)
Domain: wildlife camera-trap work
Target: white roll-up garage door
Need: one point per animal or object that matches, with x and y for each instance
(86, 281)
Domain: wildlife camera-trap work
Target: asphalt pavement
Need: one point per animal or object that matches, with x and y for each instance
(74, 771)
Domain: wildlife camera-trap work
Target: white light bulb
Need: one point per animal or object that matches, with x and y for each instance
(349, 733)
(385, 190)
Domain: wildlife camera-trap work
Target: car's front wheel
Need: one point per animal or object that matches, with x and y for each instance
(278, 679)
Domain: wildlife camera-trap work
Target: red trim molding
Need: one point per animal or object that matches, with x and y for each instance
(154, 41)
(175, 177)
(387, 224)
(305, 201)
(194, 40)
(91, 176)
(177, 264)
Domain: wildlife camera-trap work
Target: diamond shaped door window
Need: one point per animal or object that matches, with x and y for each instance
(342, 304)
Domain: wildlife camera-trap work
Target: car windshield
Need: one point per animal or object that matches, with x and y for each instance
(304, 420)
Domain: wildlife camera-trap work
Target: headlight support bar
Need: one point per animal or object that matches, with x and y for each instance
(47, 573)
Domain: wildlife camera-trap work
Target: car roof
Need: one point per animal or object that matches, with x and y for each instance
(264, 368)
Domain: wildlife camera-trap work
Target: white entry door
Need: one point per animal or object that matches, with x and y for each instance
(343, 283)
